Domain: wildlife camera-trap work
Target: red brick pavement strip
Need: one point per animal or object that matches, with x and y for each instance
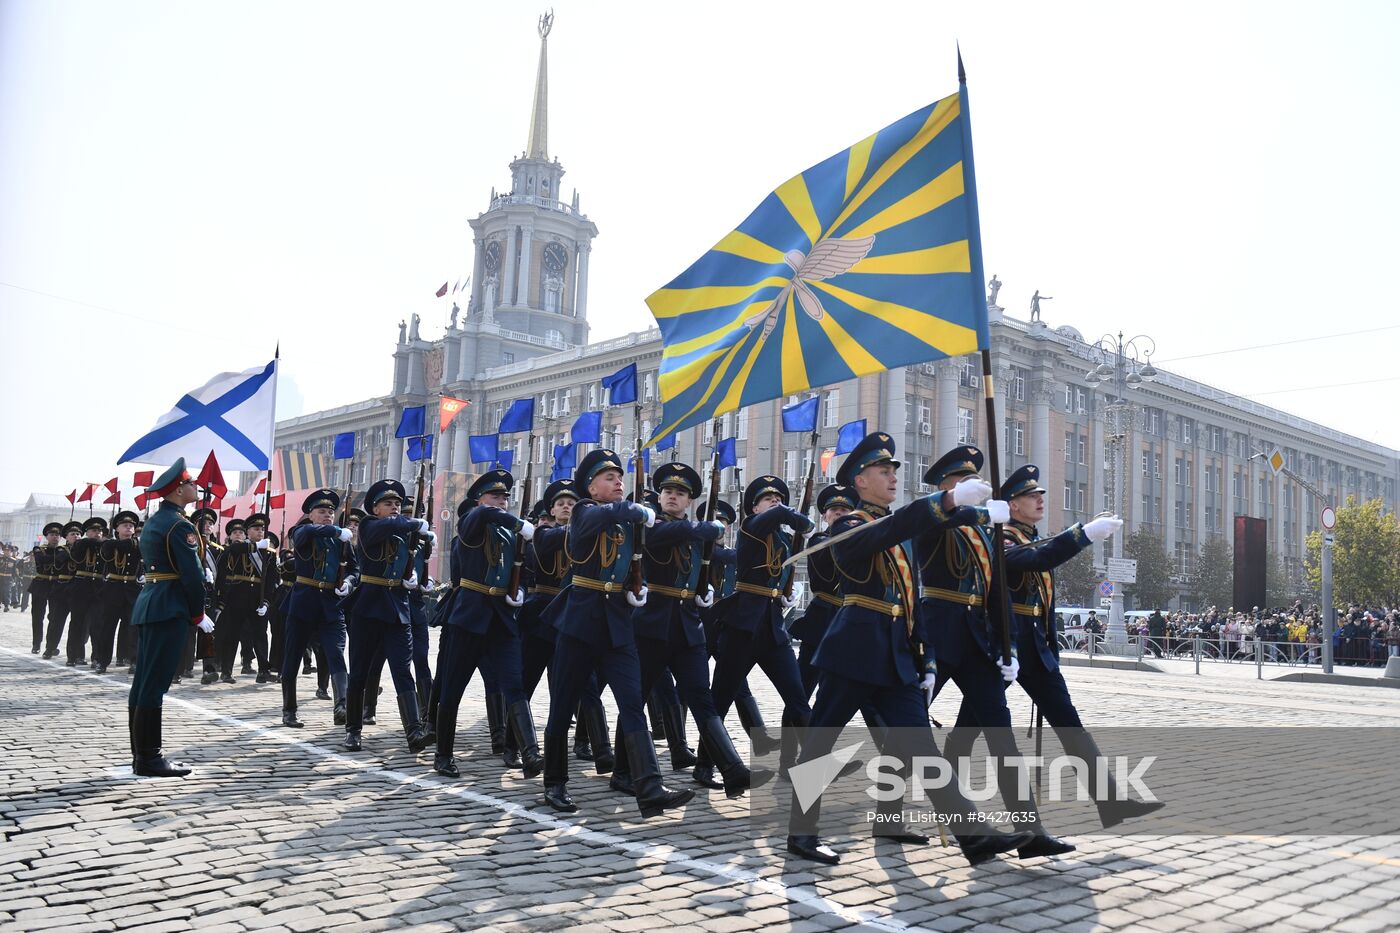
(276, 830)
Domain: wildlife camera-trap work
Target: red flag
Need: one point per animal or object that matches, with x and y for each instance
(261, 487)
(443, 291)
(228, 512)
(72, 497)
(277, 502)
(212, 478)
(216, 503)
(114, 499)
(111, 485)
(144, 478)
(447, 410)
(87, 493)
(140, 500)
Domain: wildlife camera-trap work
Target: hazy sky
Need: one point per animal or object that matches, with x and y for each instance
(183, 185)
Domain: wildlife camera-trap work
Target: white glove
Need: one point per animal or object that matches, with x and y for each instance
(412, 582)
(637, 601)
(208, 576)
(346, 586)
(649, 513)
(1009, 671)
(1101, 529)
(527, 530)
(999, 511)
(262, 610)
(517, 600)
(347, 535)
(706, 601)
(263, 544)
(204, 625)
(971, 491)
(432, 537)
(432, 585)
(424, 526)
(790, 601)
(926, 685)
(141, 578)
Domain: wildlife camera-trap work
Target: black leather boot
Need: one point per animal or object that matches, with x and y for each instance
(979, 849)
(583, 747)
(653, 797)
(340, 685)
(556, 772)
(682, 756)
(704, 773)
(412, 726)
(522, 728)
(354, 709)
(658, 724)
(289, 707)
(752, 721)
(621, 780)
(791, 743)
(372, 692)
(443, 762)
(593, 720)
(1042, 845)
(425, 706)
(714, 739)
(147, 761)
(496, 722)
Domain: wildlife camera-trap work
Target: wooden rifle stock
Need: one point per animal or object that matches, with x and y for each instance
(519, 565)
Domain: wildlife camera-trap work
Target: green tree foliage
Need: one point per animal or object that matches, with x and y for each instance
(1153, 588)
(1215, 574)
(1279, 590)
(1365, 557)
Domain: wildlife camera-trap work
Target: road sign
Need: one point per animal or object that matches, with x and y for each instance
(446, 515)
(1329, 518)
(1105, 604)
(1122, 570)
(1106, 588)
(1276, 461)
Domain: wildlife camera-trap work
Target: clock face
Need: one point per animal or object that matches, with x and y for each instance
(493, 256)
(555, 258)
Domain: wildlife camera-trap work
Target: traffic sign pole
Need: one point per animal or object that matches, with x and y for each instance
(1329, 610)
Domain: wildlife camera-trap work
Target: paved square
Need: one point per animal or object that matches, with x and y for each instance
(279, 830)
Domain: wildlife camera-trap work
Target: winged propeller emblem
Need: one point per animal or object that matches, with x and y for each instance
(828, 258)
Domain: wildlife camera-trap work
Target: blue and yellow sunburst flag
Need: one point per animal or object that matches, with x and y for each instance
(868, 261)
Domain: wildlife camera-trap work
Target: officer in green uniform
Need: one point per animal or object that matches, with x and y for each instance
(171, 601)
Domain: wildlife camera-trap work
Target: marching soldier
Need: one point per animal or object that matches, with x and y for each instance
(825, 580)
(9, 578)
(45, 583)
(121, 563)
(955, 566)
(264, 559)
(85, 606)
(483, 624)
(319, 552)
(240, 586)
(61, 593)
(874, 651)
(205, 520)
(595, 631)
(285, 573)
(1030, 563)
(169, 604)
(379, 614)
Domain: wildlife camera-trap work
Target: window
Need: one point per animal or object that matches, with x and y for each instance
(1081, 497)
(1069, 397)
(507, 358)
(593, 396)
(1017, 389)
(967, 375)
(649, 387)
(790, 466)
(833, 409)
(1157, 465)
(1180, 511)
(1185, 431)
(1083, 448)
(1069, 497)
(965, 432)
(1016, 437)
(1152, 418)
(709, 432)
(1183, 558)
(1069, 446)
(925, 413)
(1144, 463)
(1217, 440)
(741, 427)
(1081, 399)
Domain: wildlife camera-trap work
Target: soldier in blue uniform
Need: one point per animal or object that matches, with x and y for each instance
(753, 632)
(171, 601)
(1030, 564)
(955, 567)
(121, 570)
(378, 607)
(669, 634)
(595, 630)
(45, 583)
(875, 652)
(320, 551)
(85, 605)
(825, 581)
(483, 624)
(422, 669)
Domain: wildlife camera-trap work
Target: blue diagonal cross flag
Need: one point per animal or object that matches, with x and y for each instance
(231, 415)
(621, 385)
(866, 262)
(801, 416)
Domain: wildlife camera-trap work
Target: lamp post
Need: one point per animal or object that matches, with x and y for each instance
(1123, 365)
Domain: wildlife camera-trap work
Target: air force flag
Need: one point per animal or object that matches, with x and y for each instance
(231, 415)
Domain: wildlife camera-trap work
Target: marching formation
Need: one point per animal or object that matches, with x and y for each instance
(595, 588)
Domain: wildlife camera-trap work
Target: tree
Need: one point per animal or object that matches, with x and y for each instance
(1215, 574)
(1365, 557)
(1278, 587)
(1153, 588)
(1076, 582)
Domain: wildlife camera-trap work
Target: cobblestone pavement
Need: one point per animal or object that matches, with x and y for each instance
(279, 830)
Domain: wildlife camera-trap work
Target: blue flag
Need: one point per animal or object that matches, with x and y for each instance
(564, 455)
(802, 416)
(505, 460)
(485, 448)
(622, 385)
(646, 461)
(851, 434)
(520, 416)
(588, 428)
(667, 443)
(420, 448)
(344, 446)
(411, 422)
(868, 261)
(728, 453)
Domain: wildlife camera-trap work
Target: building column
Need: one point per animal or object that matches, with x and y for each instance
(1041, 395)
(508, 273)
(1169, 495)
(461, 455)
(945, 431)
(477, 295)
(527, 237)
(581, 299)
(465, 359)
(414, 365)
(395, 446)
(1099, 478)
(1199, 519)
(1227, 493)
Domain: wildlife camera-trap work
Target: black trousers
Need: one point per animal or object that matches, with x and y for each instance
(37, 607)
(115, 606)
(60, 607)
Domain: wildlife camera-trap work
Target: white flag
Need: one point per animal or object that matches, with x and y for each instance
(232, 414)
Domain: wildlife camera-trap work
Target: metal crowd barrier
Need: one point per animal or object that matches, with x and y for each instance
(1238, 650)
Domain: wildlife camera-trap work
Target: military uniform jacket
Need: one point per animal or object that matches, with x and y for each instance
(121, 566)
(88, 575)
(594, 608)
(671, 565)
(317, 556)
(724, 576)
(762, 548)
(954, 568)
(66, 567)
(485, 552)
(170, 560)
(46, 566)
(874, 636)
(382, 555)
(419, 565)
(1030, 562)
(825, 583)
(547, 566)
(238, 578)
